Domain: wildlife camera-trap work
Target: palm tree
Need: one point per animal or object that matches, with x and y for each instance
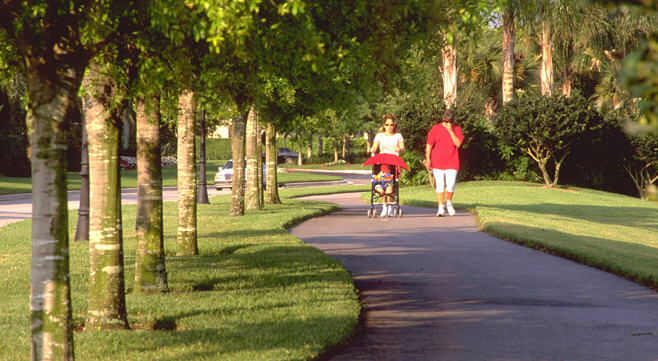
(610, 44)
(509, 35)
(449, 74)
(548, 18)
(481, 65)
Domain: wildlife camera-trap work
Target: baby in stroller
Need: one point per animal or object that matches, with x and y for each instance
(384, 190)
(383, 180)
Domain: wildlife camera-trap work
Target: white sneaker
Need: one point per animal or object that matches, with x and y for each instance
(384, 211)
(441, 212)
(451, 211)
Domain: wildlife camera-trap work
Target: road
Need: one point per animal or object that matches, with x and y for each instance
(438, 289)
(18, 207)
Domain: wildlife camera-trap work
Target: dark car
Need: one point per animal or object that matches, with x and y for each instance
(286, 156)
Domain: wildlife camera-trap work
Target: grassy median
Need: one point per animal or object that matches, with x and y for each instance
(609, 231)
(14, 185)
(254, 293)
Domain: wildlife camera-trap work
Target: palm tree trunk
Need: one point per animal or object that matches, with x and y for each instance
(509, 35)
(546, 41)
(150, 273)
(187, 236)
(106, 304)
(238, 128)
(449, 56)
(272, 189)
(251, 190)
(50, 291)
(566, 87)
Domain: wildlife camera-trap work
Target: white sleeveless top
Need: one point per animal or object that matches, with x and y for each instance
(387, 143)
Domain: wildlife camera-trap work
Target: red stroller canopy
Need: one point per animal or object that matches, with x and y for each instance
(385, 158)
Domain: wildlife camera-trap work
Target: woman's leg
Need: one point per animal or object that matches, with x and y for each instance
(439, 179)
(451, 179)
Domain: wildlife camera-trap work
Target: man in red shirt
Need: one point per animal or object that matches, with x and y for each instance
(442, 156)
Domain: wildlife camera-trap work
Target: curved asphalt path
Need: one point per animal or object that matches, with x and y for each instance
(437, 289)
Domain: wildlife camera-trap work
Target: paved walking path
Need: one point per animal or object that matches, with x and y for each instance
(437, 289)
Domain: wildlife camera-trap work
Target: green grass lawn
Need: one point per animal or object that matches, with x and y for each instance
(609, 231)
(14, 185)
(354, 166)
(257, 293)
(254, 293)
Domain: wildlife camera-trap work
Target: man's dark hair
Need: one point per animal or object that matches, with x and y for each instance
(449, 115)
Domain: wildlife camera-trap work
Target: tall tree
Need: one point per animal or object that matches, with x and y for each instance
(253, 155)
(187, 216)
(449, 71)
(106, 302)
(546, 42)
(238, 129)
(53, 52)
(150, 271)
(509, 35)
(548, 18)
(272, 188)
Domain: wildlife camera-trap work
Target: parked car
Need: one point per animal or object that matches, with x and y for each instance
(286, 155)
(224, 176)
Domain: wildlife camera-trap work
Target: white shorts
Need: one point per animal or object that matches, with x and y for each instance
(445, 180)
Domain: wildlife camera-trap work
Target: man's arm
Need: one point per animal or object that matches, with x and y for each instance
(428, 152)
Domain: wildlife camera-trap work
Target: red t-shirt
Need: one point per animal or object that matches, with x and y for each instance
(445, 154)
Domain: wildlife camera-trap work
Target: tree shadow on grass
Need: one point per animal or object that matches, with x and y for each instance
(230, 341)
(271, 266)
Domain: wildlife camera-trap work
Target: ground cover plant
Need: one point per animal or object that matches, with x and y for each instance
(613, 232)
(254, 293)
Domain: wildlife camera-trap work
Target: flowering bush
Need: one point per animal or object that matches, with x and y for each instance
(126, 162)
(169, 161)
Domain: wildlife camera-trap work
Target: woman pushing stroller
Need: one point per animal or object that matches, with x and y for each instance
(388, 141)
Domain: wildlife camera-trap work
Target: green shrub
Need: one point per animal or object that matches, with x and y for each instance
(13, 138)
(642, 163)
(216, 148)
(417, 174)
(478, 155)
(546, 129)
(596, 160)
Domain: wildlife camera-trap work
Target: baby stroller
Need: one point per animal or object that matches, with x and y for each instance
(384, 186)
